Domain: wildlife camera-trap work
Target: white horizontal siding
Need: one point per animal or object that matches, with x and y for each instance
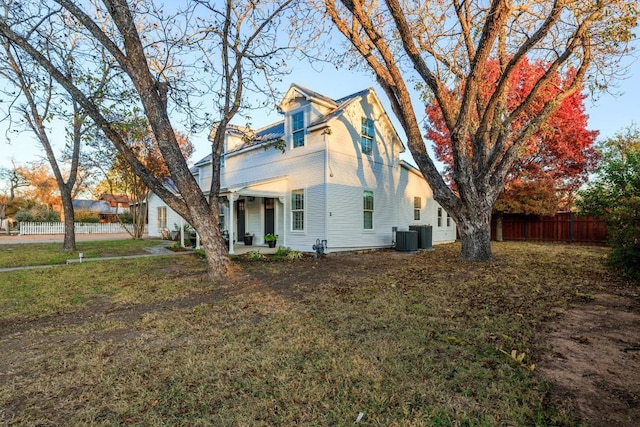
(308, 175)
(173, 219)
(154, 203)
(351, 177)
(333, 182)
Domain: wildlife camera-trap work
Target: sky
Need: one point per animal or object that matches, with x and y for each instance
(608, 114)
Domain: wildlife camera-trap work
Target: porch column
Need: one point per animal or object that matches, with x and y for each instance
(232, 197)
(181, 232)
(282, 200)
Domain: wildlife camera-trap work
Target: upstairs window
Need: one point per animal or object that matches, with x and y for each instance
(297, 210)
(448, 220)
(367, 208)
(366, 136)
(417, 205)
(297, 129)
(439, 217)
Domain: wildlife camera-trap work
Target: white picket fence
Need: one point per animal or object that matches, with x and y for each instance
(80, 227)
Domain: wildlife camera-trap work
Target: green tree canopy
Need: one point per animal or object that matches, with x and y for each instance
(615, 196)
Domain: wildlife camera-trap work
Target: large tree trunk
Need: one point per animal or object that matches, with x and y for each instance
(475, 234)
(69, 243)
(215, 250)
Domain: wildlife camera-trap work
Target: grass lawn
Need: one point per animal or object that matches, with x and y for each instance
(25, 254)
(403, 339)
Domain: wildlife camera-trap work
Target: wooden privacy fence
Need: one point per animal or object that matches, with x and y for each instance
(80, 227)
(564, 227)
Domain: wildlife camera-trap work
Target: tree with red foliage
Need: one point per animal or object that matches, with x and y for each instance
(444, 50)
(554, 161)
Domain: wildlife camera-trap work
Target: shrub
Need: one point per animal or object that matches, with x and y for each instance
(24, 215)
(200, 253)
(126, 217)
(283, 253)
(623, 226)
(255, 256)
(293, 255)
(615, 196)
(83, 215)
(37, 214)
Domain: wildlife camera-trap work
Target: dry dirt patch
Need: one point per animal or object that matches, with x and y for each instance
(595, 360)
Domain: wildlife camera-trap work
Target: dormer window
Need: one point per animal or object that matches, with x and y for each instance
(297, 129)
(366, 136)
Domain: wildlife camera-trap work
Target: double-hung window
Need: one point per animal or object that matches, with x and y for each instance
(417, 205)
(439, 217)
(162, 218)
(367, 209)
(297, 210)
(222, 223)
(297, 129)
(366, 136)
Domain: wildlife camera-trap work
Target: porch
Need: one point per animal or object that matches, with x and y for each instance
(241, 249)
(254, 209)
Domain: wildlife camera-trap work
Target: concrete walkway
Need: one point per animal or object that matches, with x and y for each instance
(153, 251)
(57, 238)
(160, 249)
(239, 248)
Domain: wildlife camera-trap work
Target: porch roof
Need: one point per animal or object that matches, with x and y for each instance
(270, 187)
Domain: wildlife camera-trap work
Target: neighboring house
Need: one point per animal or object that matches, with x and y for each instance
(119, 201)
(339, 179)
(105, 212)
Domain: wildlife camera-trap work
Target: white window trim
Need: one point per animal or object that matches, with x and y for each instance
(159, 217)
(370, 138)
(373, 210)
(303, 130)
(304, 211)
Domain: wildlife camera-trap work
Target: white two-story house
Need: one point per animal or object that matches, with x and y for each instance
(339, 179)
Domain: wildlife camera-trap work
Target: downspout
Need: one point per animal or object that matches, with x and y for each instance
(328, 173)
(398, 177)
(232, 198)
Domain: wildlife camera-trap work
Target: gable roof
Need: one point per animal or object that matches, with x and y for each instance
(298, 91)
(115, 198)
(275, 131)
(341, 105)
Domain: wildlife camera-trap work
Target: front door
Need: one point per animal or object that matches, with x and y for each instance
(240, 210)
(269, 216)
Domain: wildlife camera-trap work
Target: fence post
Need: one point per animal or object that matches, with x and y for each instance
(571, 227)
